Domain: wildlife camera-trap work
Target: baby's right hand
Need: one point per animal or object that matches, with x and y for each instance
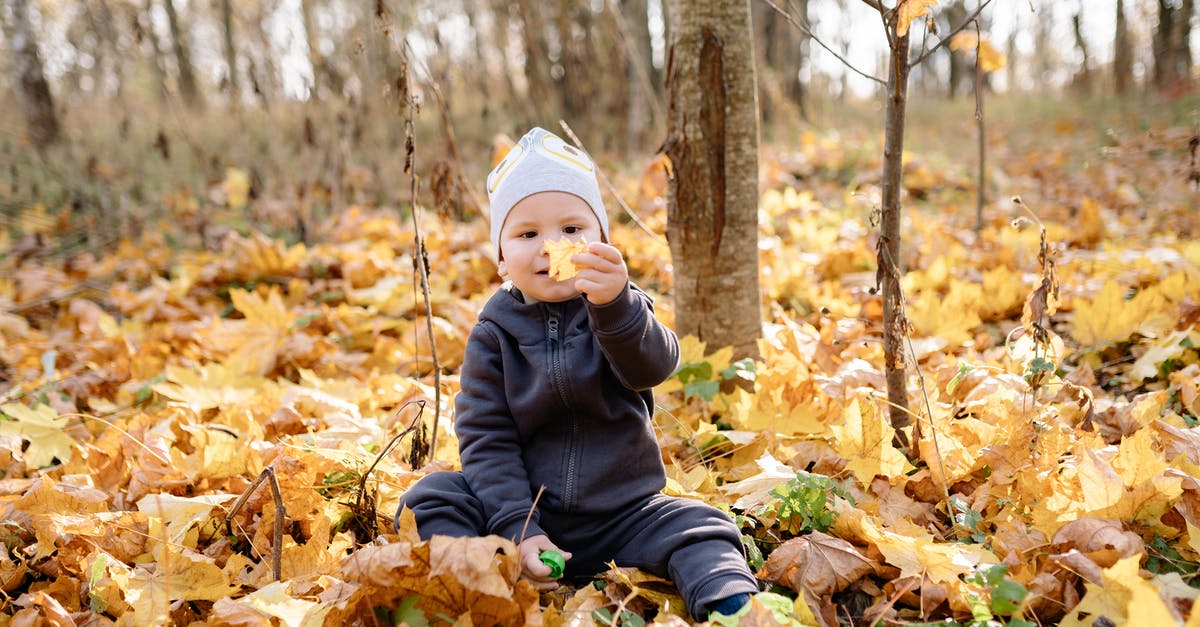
(532, 568)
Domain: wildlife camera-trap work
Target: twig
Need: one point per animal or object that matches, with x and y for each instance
(804, 28)
(280, 514)
(449, 129)
(980, 193)
(945, 40)
(937, 451)
(421, 261)
(529, 516)
(609, 186)
(362, 481)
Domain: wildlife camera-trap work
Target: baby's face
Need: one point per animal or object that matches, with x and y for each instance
(542, 217)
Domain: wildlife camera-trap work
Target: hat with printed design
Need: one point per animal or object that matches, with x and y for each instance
(541, 162)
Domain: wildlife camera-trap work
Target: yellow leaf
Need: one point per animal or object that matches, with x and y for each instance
(951, 316)
(909, 10)
(911, 548)
(237, 187)
(990, 59)
(1123, 597)
(1107, 317)
(561, 252)
(207, 386)
(43, 428)
(177, 574)
(274, 600)
(865, 441)
(181, 513)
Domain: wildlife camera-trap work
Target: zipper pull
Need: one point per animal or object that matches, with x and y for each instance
(552, 326)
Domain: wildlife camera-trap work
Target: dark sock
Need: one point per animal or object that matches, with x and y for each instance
(730, 604)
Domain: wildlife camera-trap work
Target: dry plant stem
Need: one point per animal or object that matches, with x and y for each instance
(609, 186)
(981, 192)
(362, 481)
(529, 516)
(280, 513)
(448, 127)
(422, 262)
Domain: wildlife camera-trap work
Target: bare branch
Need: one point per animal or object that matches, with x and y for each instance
(945, 40)
(804, 28)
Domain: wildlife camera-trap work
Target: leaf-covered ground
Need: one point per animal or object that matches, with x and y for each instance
(1055, 381)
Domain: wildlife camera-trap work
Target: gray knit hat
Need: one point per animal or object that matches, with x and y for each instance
(541, 162)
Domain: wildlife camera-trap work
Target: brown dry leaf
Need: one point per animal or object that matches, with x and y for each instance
(816, 565)
(639, 591)
(1103, 541)
(476, 577)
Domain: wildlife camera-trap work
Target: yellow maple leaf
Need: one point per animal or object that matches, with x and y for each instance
(1108, 317)
(43, 428)
(909, 10)
(865, 441)
(181, 513)
(1123, 597)
(561, 252)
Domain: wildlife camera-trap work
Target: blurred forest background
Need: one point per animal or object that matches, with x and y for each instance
(112, 106)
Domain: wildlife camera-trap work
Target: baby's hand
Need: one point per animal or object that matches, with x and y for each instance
(602, 273)
(532, 568)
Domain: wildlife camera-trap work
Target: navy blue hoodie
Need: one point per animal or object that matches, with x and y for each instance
(558, 395)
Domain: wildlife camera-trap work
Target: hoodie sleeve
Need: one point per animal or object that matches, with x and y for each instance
(642, 351)
(489, 444)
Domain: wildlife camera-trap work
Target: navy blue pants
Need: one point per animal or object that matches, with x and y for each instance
(692, 543)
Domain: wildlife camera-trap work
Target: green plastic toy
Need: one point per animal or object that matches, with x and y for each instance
(555, 561)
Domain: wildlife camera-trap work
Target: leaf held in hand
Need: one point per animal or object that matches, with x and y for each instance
(561, 252)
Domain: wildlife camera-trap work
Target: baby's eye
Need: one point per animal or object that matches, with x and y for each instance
(571, 230)
(527, 235)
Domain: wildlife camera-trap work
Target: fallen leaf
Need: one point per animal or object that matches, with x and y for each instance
(817, 565)
(43, 428)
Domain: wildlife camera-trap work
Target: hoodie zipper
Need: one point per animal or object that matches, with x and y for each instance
(556, 367)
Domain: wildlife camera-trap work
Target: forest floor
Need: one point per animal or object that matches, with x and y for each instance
(190, 318)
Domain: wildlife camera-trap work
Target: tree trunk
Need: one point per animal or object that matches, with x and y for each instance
(1122, 53)
(712, 142)
(183, 59)
(956, 14)
(1167, 64)
(645, 82)
(34, 92)
(538, 82)
(145, 25)
(234, 85)
(888, 251)
(1084, 79)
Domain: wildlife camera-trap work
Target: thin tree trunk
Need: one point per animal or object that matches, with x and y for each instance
(156, 58)
(955, 14)
(183, 59)
(234, 84)
(37, 103)
(888, 253)
(1084, 79)
(712, 142)
(1122, 53)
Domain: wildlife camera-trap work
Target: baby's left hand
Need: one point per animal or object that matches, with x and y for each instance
(602, 273)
